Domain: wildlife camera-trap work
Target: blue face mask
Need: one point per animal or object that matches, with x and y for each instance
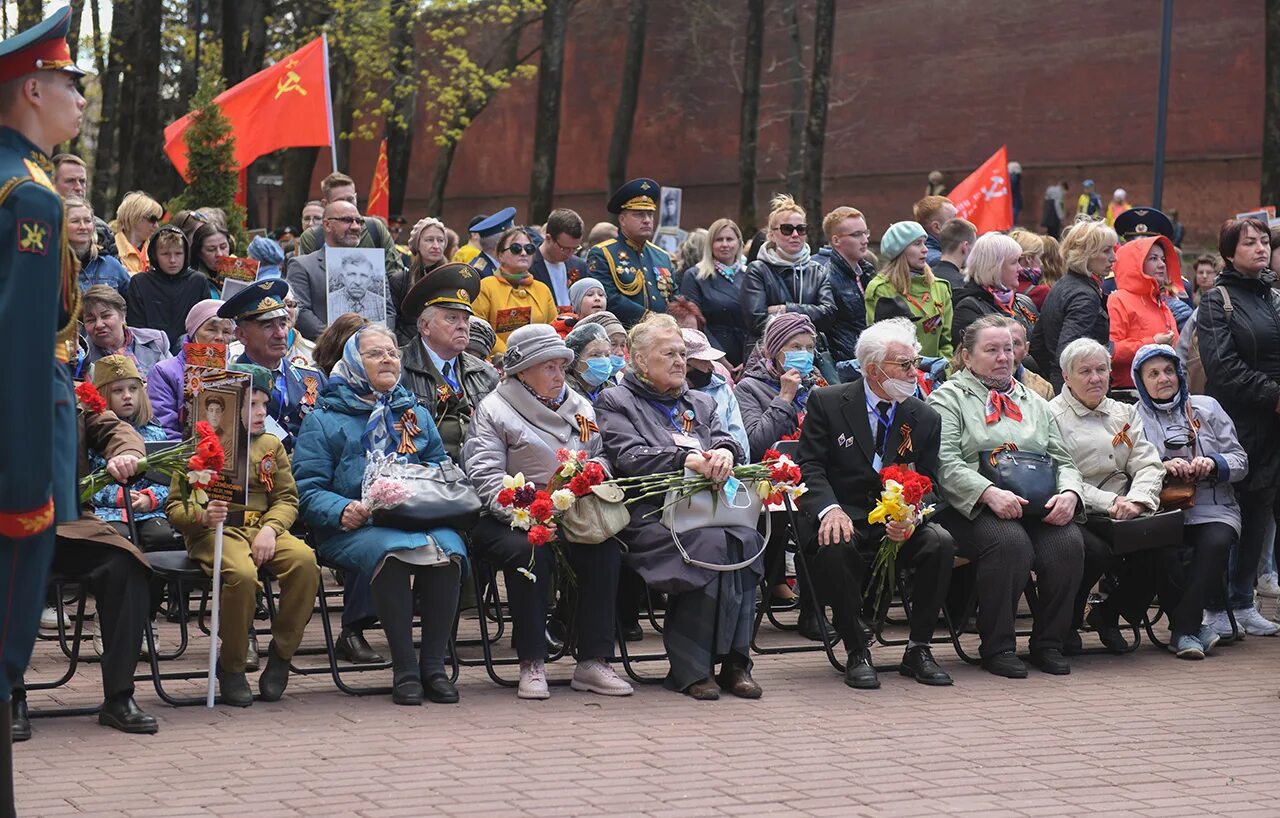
(801, 360)
(597, 372)
(618, 362)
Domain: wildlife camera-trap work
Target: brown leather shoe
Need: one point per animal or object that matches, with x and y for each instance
(737, 680)
(704, 691)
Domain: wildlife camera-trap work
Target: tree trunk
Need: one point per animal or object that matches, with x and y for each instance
(628, 93)
(143, 94)
(232, 43)
(106, 159)
(73, 34)
(816, 128)
(1271, 110)
(99, 53)
(190, 78)
(440, 178)
(400, 125)
(546, 134)
(30, 12)
(749, 124)
(796, 118)
(255, 54)
(297, 166)
(341, 78)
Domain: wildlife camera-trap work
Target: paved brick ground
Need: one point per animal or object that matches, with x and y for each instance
(1143, 734)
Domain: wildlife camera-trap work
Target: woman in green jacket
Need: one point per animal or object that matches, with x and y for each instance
(983, 408)
(907, 277)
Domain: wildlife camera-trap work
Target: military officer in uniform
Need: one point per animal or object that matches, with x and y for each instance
(447, 379)
(40, 107)
(635, 272)
(489, 229)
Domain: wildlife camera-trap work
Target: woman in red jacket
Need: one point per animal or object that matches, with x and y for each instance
(1138, 313)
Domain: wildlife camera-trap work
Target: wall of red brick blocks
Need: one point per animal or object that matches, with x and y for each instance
(917, 85)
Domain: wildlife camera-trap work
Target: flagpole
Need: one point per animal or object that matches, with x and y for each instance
(215, 614)
(328, 102)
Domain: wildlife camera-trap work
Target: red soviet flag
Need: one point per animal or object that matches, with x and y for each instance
(983, 197)
(380, 190)
(284, 106)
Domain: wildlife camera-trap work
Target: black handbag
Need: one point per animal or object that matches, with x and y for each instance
(1150, 531)
(1030, 475)
(429, 496)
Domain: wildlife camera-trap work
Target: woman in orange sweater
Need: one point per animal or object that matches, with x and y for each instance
(512, 298)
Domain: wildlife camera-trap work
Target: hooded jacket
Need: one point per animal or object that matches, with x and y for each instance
(1137, 309)
(158, 300)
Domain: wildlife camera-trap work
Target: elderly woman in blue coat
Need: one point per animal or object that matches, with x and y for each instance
(360, 413)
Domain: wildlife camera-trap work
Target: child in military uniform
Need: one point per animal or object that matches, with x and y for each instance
(263, 541)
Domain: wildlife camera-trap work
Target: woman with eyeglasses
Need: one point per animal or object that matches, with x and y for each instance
(427, 245)
(512, 297)
(906, 277)
(1197, 442)
(783, 278)
(137, 219)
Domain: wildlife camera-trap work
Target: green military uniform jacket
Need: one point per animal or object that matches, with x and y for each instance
(637, 279)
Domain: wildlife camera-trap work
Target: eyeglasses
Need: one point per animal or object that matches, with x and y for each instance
(381, 354)
(906, 365)
(521, 249)
(798, 229)
(153, 219)
(347, 220)
(857, 234)
(569, 250)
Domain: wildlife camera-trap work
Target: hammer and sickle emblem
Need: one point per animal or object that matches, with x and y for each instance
(290, 82)
(33, 236)
(996, 190)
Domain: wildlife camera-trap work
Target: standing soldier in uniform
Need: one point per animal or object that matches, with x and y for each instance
(40, 107)
(635, 272)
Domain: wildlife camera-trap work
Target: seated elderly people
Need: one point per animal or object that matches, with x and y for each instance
(165, 383)
(707, 374)
(654, 424)
(1197, 441)
(772, 394)
(591, 371)
(365, 409)
(518, 429)
(850, 432)
(261, 540)
(482, 338)
(618, 351)
(1122, 477)
(103, 313)
(118, 576)
(984, 409)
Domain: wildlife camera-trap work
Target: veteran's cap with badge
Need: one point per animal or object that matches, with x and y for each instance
(453, 286)
(638, 194)
(43, 47)
(1141, 222)
(111, 368)
(261, 301)
(495, 224)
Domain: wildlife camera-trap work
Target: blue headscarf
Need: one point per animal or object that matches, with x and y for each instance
(1145, 354)
(379, 434)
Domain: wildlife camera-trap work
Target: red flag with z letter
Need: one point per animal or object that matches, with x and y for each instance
(983, 197)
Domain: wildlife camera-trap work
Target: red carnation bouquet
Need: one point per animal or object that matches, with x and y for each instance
(89, 399)
(901, 500)
(538, 511)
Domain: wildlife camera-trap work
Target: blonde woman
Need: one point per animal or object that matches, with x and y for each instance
(1029, 262)
(991, 279)
(910, 289)
(1052, 269)
(783, 278)
(137, 220)
(715, 285)
(1076, 307)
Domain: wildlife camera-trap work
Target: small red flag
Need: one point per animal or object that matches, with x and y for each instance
(983, 197)
(284, 106)
(380, 191)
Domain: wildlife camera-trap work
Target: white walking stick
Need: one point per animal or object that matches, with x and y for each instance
(214, 616)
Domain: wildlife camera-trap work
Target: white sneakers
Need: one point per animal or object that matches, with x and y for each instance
(533, 681)
(1249, 620)
(1268, 585)
(597, 676)
(49, 619)
(590, 676)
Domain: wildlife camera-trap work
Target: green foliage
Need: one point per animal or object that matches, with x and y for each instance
(211, 163)
(455, 73)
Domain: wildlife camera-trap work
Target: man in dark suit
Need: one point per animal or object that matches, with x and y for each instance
(343, 226)
(556, 263)
(850, 433)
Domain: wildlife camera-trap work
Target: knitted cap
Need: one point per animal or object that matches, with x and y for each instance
(897, 237)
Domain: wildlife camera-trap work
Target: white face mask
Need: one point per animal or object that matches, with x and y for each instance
(898, 389)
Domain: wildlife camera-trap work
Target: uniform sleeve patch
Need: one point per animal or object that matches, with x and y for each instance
(33, 236)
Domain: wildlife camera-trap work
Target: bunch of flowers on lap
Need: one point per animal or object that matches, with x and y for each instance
(538, 511)
(901, 500)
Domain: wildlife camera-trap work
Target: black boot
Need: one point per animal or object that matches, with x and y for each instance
(351, 645)
(234, 688)
(20, 727)
(123, 713)
(275, 677)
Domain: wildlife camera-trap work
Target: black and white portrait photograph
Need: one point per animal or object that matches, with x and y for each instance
(669, 212)
(357, 282)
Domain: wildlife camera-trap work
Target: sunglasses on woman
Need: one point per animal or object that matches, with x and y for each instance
(522, 249)
(798, 229)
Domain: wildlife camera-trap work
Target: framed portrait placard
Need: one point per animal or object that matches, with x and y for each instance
(220, 398)
(356, 281)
